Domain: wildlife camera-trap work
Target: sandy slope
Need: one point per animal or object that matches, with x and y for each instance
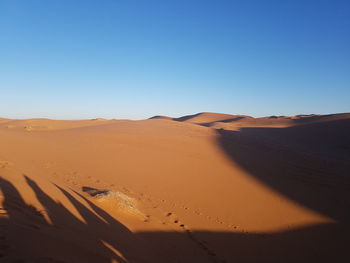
(209, 117)
(201, 188)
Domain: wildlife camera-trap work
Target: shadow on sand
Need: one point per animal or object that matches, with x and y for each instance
(312, 172)
(309, 164)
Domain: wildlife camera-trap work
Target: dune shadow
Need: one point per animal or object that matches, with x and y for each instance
(187, 117)
(308, 164)
(322, 243)
(91, 238)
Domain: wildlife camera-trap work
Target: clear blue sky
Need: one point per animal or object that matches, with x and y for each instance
(134, 59)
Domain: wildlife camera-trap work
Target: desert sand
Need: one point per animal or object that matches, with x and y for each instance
(202, 188)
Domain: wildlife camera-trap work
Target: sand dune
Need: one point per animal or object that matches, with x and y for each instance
(159, 117)
(210, 117)
(201, 188)
(47, 124)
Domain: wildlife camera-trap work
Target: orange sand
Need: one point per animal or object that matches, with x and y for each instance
(202, 188)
